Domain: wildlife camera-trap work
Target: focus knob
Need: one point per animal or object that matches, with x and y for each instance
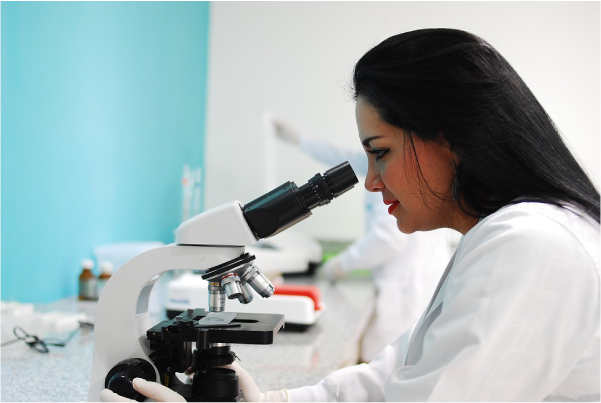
(120, 377)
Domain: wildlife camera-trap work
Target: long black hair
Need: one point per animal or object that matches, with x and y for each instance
(447, 81)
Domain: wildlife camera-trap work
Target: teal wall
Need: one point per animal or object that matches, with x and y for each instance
(102, 105)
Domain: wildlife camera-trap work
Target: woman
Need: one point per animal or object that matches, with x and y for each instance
(456, 139)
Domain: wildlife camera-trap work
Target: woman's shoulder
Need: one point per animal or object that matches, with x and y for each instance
(537, 216)
(546, 227)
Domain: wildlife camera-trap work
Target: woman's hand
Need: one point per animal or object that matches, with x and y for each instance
(285, 131)
(151, 390)
(331, 270)
(251, 390)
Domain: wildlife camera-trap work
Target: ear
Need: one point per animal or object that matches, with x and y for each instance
(456, 158)
(446, 149)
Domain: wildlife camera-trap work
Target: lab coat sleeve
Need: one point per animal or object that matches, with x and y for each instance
(330, 154)
(380, 243)
(359, 383)
(520, 308)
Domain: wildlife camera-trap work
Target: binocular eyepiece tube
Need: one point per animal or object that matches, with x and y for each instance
(288, 204)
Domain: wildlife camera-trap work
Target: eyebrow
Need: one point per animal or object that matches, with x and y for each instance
(367, 140)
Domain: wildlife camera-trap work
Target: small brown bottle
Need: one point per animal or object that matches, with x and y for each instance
(106, 271)
(87, 281)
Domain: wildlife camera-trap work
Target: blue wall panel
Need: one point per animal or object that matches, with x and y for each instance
(102, 105)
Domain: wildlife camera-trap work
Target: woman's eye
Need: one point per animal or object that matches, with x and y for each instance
(378, 153)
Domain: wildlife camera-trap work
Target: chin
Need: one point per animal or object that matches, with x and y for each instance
(404, 228)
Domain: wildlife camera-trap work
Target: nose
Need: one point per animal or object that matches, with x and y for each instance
(373, 181)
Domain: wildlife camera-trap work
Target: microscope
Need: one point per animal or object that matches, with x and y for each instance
(127, 346)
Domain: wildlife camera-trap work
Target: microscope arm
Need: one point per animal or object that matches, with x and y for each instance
(122, 317)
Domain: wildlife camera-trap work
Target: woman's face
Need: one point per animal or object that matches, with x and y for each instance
(419, 203)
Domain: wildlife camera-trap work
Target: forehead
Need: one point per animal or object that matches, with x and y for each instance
(365, 113)
(369, 123)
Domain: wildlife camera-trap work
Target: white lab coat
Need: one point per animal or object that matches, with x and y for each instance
(405, 268)
(516, 318)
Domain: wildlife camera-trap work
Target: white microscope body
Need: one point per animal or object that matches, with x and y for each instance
(212, 242)
(122, 317)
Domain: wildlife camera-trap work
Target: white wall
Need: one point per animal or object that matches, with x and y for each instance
(295, 59)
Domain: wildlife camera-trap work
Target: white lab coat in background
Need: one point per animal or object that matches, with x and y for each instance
(405, 268)
(516, 318)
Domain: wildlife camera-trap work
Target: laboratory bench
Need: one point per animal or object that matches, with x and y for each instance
(296, 358)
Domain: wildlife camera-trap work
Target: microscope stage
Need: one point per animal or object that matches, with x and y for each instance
(245, 328)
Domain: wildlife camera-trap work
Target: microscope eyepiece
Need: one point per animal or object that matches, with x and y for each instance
(340, 179)
(287, 204)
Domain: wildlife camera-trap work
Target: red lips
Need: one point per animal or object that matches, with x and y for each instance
(393, 204)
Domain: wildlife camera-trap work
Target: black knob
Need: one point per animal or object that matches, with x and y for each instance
(216, 384)
(120, 377)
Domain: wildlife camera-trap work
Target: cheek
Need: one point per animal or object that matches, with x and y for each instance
(401, 179)
(437, 172)
(439, 177)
